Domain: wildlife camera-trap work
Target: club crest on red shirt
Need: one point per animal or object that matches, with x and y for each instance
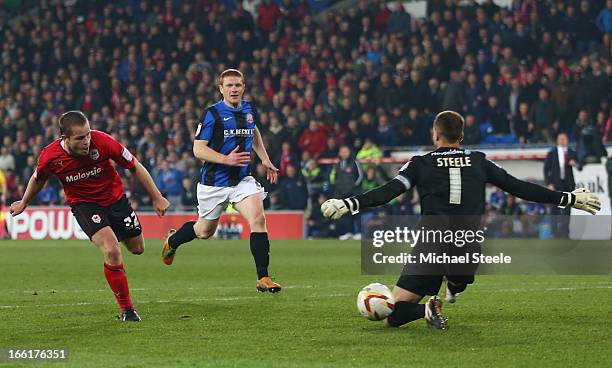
(94, 154)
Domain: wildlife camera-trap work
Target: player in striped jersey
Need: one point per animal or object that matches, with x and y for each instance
(224, 140)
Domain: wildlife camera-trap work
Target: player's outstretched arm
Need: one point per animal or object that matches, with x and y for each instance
(336, 208)
(260, 150)
(580, 198)
(160, 204)
(34, 186)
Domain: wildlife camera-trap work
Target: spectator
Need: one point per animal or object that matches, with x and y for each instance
(523, 128)
(293, 131)
(490, 87)
(454, 98)
(28, 169)
(598, 85)
(371, 180)
(47, 196)
(560, 97)
(354, 135)
(317, 225)
(497, 200)
(293, 191)
(471, 131)
(315, 178)
(369, 151)
(189, 200)
(586, 29)
(474, 96)
(268, 14)
(14, 187)
(385, 92)
(435, 96)
(169, 180)
(559, 175)
(416, 131)
(275, 135)
(513, 97)
(582, 121)
(21, 156)
(314, 139)
(387, 136)
(7, 160)
(496, 116)
(607, 135)
(287, 158)
(398, 19)
(604, 18)
(332, 148)
(542, 115)
(346, 177)
(417, 91)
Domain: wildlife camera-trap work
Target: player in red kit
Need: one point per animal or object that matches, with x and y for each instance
(81, 161)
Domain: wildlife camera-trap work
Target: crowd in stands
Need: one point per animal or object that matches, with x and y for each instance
(347, 83)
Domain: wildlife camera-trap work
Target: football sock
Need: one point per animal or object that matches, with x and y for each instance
(455, 288)
(405, 312)
(117, 280)
(183, 235)
(260, 249)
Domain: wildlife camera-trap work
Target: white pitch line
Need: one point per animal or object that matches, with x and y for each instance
(334, 295)
(56, 291)
(221, 299)
(523, 290)
(487, 288)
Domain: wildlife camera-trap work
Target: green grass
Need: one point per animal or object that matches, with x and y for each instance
(204, 311)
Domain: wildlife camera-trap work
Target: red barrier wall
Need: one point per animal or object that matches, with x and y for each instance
(58, 223)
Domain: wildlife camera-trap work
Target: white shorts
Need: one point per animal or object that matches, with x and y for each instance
(212, 201)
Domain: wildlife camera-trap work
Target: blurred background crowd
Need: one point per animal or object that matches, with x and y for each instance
(329, 81)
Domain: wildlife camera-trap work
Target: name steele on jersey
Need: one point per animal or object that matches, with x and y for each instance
(453, 161)
(238, 132)
(83, 175)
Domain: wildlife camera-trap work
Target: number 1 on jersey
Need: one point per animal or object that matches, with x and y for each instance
(454, 176)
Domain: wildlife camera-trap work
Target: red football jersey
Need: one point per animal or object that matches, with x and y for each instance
(90, 178)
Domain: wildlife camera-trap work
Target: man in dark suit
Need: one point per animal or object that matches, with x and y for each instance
(559, 175)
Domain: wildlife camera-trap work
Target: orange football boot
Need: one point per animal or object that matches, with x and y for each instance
(266, 284)
(167, 254)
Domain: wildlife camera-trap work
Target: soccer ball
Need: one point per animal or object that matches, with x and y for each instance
(375, 302)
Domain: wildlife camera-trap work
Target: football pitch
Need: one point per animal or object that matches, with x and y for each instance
(204, 310)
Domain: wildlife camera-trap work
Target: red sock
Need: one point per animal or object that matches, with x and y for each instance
(115, 275)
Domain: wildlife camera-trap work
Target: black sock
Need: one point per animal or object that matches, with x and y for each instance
(183, 235)
(455, 288)
(260, 249)
(405, 312)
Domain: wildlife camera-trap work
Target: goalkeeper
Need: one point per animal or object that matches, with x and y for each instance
(451, 182)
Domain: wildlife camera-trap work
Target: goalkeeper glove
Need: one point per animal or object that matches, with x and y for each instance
(581, 199)
(336, 208)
